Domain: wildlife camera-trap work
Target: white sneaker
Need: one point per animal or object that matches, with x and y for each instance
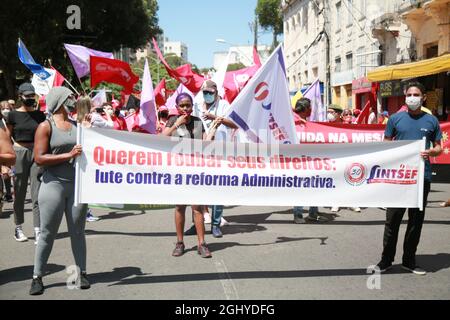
(37, 234)
(335, 209)
(19, 235)
(416, 270)
(356, 209)
(207, 217)
(90, 217)
(223, 222)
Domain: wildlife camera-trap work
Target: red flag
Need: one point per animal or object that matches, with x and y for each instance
(256, 59)
(363, 117)
(235, 81)
(160, 93)
(183, 74)
(113, 71)
(59, 79)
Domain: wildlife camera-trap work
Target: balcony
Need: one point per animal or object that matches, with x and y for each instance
(342, 78)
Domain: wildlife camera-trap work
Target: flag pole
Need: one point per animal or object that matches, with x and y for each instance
(71, 86)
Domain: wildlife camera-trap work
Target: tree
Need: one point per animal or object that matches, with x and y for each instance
(235, 66)
(42, 25)
(270, 18)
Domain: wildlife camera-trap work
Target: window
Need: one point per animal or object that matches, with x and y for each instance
(305, 17)
(338, 15)
(306, 76)
(360, 61)
(350, 12)
(362, 8)
(337, 62)
(349, 58)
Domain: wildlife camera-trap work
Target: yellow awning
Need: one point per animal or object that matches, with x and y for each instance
(411, 70)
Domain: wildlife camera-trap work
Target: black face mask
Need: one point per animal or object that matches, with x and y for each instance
(29, 102)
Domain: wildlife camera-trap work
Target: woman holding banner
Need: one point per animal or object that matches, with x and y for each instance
(190, 127)
(55, 149)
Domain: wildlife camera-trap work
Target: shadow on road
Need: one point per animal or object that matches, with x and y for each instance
(118, 274)
(63, 235)
(119, 214)
(431, 263)
(25, 273)
(214, 247)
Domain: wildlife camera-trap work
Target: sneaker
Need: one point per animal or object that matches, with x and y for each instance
(356, 209)
(84, 282)
(19, 235)
(37, 234)
(317, 219)
(384, 266)
(223, 222)
(207, 217)
(192, 231)
(8, 198)
(37, 287)
(204, 251)
(179, 249)
(335, 209)
(216, 232)
(299, 220)
(90, 217)
(416, 270)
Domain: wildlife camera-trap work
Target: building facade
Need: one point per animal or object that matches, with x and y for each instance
(177, 48)
(241, 54)
(339, 41)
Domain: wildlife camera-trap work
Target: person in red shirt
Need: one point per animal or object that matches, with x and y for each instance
(113, 110)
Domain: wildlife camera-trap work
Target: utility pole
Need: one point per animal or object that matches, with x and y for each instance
(255, 32)
(326, 29)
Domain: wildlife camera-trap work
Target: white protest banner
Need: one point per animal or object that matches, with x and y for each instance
(129, 168)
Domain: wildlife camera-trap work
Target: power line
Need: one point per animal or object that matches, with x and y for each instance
(317, 39)
(357, 22)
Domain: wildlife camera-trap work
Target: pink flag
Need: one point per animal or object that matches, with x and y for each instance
(183, 74)
(147, 117)
(130, 120)
(235, 81)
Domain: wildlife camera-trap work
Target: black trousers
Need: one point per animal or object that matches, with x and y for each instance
(394, 218)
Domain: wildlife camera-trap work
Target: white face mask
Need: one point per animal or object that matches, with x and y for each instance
(413, 103)
(331, 117)
(109, 111)
(5, 112)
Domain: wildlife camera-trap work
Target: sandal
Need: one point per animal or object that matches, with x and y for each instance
(445, 204)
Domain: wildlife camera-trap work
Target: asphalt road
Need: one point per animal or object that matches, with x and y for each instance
(262, 255)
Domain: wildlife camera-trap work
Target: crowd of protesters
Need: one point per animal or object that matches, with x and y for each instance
(41, 148)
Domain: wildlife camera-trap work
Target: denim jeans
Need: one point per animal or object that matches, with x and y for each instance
(216, 215)
(313, 212)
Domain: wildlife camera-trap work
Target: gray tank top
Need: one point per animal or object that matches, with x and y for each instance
(62, 141)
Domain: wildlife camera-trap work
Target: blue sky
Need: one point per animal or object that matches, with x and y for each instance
(198, 23)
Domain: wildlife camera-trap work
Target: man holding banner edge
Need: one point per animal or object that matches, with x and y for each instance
(412, 125)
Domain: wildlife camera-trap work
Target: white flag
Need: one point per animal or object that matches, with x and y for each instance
(262, 110)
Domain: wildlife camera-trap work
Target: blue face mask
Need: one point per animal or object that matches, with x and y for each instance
(209, 97)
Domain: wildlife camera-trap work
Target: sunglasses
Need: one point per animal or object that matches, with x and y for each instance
(208, 93)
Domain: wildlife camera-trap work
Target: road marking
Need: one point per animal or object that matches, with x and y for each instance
(228, 285)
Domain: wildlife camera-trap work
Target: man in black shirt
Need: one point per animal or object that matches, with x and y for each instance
(22, 124)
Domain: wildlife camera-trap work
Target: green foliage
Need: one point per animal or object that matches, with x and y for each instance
(235, 66)
(41, 24)
(270, 17)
